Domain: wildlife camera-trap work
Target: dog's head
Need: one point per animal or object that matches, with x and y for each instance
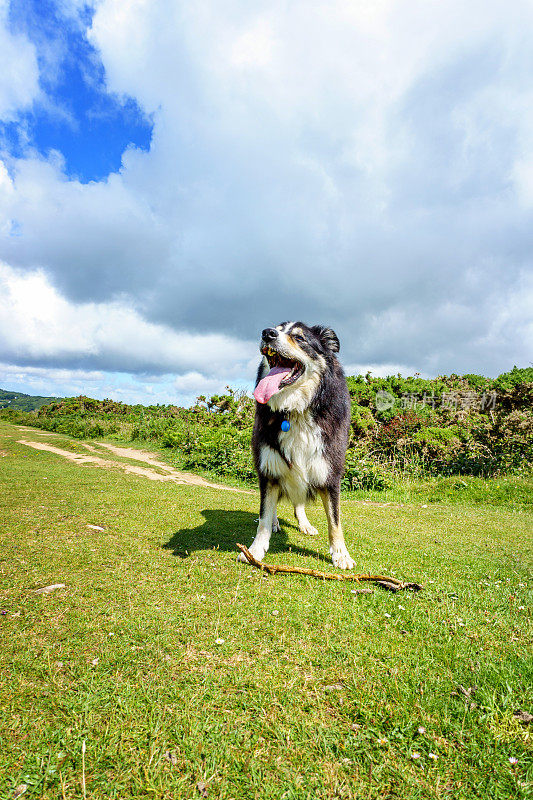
(295, 357)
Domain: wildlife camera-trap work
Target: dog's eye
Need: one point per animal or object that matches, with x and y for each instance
(298, 338)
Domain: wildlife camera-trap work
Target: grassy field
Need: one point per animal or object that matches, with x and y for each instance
(165, 669)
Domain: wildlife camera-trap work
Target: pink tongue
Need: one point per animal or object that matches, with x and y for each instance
(269, 385)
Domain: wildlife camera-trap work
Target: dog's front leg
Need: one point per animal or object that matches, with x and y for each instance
(337, 546)
(267, 512)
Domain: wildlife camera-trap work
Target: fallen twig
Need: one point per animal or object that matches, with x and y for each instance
(392, 584)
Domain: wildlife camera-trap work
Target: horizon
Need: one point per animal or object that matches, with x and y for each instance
(247, 390)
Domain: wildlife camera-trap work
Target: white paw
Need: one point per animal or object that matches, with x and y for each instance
(257, 549)
(309, 530)
(341, 558)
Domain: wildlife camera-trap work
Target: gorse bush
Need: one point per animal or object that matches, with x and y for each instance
(450, 425)
(468, 424)
(223, 450)
(362, 473)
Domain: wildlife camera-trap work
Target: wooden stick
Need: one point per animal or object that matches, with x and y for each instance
(392, 584)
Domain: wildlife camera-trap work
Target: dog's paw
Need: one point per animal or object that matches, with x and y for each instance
(341, 558)
(276, 527)
(257, 549)
(308, 530)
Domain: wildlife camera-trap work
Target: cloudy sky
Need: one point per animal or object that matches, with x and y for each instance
(176, 176)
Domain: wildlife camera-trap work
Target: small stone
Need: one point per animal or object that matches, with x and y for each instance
(48, 589)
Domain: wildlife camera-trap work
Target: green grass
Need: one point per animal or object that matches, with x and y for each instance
(505, 490)
(323, 699)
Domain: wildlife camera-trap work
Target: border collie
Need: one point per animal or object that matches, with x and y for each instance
(300, 431)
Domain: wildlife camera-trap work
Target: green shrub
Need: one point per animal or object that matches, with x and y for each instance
(508, 380)
(362, 474)
(223, 450)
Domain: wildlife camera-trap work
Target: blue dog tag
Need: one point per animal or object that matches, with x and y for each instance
(285, 425)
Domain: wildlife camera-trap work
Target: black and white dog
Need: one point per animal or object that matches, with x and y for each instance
(301, 429)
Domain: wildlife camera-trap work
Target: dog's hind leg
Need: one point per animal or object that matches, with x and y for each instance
(276, 527)
(337, 546)
(303, 523)
(267, 514)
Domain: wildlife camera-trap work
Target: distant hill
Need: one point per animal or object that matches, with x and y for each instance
(23, 402)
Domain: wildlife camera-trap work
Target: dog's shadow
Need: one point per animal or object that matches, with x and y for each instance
(223, 529)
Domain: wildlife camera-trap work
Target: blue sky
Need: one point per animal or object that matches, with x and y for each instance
(75, 115)
(175, 177)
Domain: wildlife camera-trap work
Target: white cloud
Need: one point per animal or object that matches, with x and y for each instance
(255, 46)
(363, 164)
(38, 324)
(50, 381)
(381, 370)
(127, 388)
(195, 383)
(19, 73)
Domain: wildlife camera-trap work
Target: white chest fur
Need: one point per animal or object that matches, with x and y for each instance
(303, 448)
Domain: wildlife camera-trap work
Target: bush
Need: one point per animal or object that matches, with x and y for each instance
(362, 474)
(223, 450)
(508, 380)
(398, 430)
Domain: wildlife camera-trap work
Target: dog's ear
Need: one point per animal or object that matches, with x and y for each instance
(328, 337)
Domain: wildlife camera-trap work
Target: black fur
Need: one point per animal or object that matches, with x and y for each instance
(330, 408)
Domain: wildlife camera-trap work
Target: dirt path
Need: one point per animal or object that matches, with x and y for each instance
(137, 455)
(36, 432)
(172, 474)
